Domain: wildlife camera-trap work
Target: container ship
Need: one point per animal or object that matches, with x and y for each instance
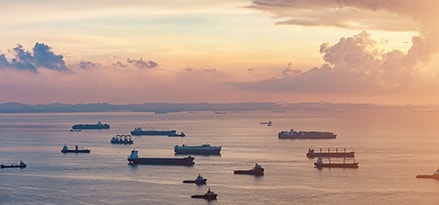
(134, 159)
(292, 134)
(97, 126)
(205, 149)
(171, 133)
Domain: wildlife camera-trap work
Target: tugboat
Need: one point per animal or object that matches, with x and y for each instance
(121, 139)
(199, 180)
(134, 159)
(209, 195)
(257, 170)
(435, 175)
(319, 164)
(66, 149)
(312, 153)
(14, 165)
(269, 123)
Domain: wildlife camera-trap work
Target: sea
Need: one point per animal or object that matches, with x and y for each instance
(392, 146)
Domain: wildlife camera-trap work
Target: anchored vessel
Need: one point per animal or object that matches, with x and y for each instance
(14, 165)
(269, 123)
(257, 170)
(171, 133)
(320, 164)
(205, 149)
(97, 126)
(66, 149)
(134, 159)
(292, 134)
(435, 175)
(209, 195)
(312, 153)
(199, 180)
(121, 139)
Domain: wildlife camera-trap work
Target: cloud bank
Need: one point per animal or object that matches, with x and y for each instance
(41, 56)
(355, 64)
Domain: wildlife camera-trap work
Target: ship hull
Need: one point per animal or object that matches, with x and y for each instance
(198, 182)
(12, 166)
(336, 165)
(155, 132)
(428, 176)
(258, 172)
(197, 150)
(331, 154)
(207, 197)
(76, 151)
(187, 161)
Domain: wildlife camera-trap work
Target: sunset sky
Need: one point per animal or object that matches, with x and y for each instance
(219, 51)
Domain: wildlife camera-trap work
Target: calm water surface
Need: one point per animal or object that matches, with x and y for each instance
(392, 147)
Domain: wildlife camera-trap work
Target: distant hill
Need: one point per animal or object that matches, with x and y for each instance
(13, 107)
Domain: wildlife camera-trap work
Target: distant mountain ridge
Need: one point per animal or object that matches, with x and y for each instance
(13, 107)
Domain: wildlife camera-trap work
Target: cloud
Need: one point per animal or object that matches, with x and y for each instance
(353, 14)
(40, 57)
(87, 65)
(120, 64)
(353, 64)
(357, 63)
(143, 64)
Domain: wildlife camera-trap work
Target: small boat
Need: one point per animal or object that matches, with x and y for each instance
(97, 126)
(121, 139)
(257, 170)
(199, 180)
(435, 175)
(269, 123)
(312, 153)
(66, 149)
(320, 164)
(134, 159)
(205, 149)
(209, 195)
(14, 165)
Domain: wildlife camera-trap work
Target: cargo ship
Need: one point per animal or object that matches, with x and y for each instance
(320, 164)
(97, 126)
(312, 153)
(66, 149)
(257, 170)
(134, 159)
(121, 139)
(205, 149)
(171, 133)
(292, 134)
(14, 165)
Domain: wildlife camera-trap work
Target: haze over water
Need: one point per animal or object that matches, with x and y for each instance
(391, 146)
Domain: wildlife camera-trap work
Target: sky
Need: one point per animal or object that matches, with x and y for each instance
(219, 51)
